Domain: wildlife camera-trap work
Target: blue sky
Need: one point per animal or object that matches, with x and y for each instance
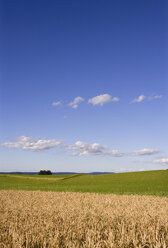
(84, 85)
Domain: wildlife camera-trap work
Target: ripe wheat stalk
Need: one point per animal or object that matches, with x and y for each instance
(47, 219)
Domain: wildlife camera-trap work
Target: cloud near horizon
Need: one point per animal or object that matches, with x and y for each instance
(162, 161)
(102, 99)
(79, 148)
(74, 104)
(144, 152)
(83, 148)
(29, 143)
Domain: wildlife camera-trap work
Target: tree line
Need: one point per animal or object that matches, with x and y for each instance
(45, 172)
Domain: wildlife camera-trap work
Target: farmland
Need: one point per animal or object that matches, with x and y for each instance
(124, 210)
(141, 183)
(74, 220)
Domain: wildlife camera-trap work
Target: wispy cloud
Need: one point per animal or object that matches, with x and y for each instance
(102, 99)
(74, 104)
(154, 97)
(29, 143)
(83, 148)
(162, 161)
(56, 103)
(144, 152)
(141, 98)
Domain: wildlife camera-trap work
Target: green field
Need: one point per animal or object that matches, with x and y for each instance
(142, 183)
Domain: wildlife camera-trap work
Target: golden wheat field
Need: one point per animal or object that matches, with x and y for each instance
(49, 219)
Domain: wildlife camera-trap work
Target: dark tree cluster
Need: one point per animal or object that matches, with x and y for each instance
(45, 172)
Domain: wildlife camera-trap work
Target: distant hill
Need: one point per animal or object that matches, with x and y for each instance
(58, 173)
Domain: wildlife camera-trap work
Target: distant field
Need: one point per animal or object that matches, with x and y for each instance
(142, 183)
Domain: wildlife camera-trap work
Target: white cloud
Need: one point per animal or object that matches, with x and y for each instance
(162, 161)
(139, 99)
(102, 99)
(149, 98)
(154, 97)
(56, 103)
(115, 153)
(115, 99)
(78, 149)
(29, 143)
(75, 102)
(141, 169)
(83, 148)
(157, 97)
(144, 152)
